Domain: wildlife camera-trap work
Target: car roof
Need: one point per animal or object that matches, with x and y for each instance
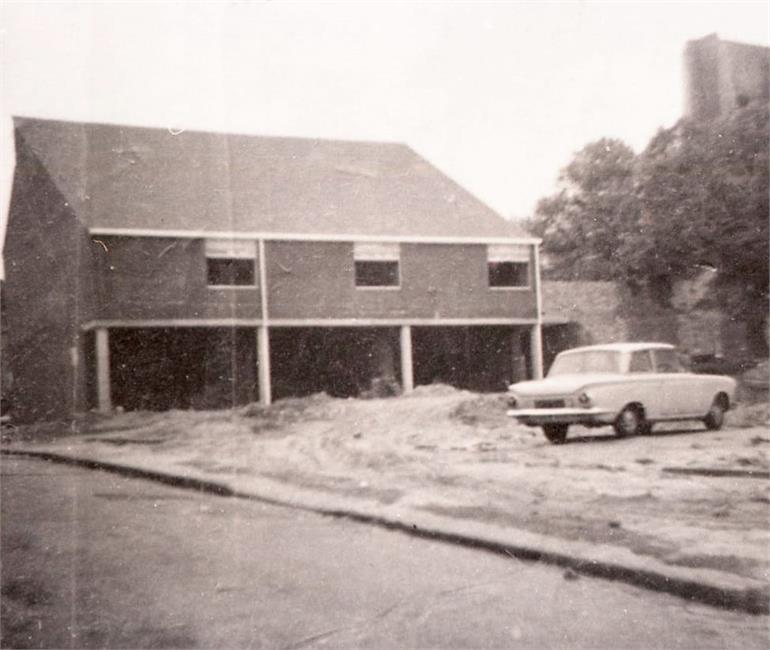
(622, 347)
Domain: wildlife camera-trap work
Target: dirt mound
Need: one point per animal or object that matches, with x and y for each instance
(435, 390)
(484, 410)
(287, 411)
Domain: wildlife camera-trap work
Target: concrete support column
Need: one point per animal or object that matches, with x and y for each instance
(263, 331)
(103, 388)
(263, 359)
(78, 375)
(518, 359)
(536, 351)
(536, 339)
(407, 370)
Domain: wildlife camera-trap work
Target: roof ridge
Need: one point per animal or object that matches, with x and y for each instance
(20, 119)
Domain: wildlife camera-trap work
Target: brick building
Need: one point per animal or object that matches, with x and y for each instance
(151, 269)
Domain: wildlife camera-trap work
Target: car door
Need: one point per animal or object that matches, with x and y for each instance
(676, 400)
(647, 389)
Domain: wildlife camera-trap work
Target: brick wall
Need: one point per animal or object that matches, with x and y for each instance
(45, 297)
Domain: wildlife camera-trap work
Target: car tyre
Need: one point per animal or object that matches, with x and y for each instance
(630, 422)
(715, 418)
(555, 433)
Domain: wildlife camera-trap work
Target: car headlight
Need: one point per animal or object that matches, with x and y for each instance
(512, 402)
(584, 400)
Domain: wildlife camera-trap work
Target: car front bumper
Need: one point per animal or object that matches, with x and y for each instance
(589, 416)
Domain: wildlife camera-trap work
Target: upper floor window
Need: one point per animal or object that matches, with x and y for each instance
(508, 266)
(231, 263)
(376, 264)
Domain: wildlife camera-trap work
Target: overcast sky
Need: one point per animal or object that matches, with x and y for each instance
(496, 95)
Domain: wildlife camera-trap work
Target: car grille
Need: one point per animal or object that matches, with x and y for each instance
(549, 403)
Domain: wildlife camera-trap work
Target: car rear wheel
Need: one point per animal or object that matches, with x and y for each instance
(556, 433)
(630, 422)
(715, 418)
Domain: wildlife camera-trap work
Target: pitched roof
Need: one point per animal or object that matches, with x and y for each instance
(125, 177)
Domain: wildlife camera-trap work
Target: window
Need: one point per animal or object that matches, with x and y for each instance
(571, 363)
(376, 265)
(640, 362)
(508, 274)
(227, 272)
(230, 263)
(666, 360)
(376, 274)
(508, 266)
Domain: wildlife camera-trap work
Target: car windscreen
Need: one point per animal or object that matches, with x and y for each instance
(586, 361)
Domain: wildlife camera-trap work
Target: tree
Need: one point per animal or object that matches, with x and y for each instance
(704, 193)
(585, 225)
(696, 198)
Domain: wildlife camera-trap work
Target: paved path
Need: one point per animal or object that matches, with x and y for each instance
(91, 559)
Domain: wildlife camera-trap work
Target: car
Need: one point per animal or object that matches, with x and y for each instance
(715, 364)
(627, 385)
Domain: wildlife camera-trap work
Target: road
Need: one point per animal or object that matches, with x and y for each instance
(91, 559)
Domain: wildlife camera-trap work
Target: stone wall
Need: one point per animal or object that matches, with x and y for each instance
(594, 306)
(604, 312)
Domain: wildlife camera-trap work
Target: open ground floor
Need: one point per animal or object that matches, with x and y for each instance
(161, 367)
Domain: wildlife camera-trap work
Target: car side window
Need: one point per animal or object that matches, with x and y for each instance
(667, 361)
(640, 361)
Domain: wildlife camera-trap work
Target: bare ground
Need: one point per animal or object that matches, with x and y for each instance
(682, 495)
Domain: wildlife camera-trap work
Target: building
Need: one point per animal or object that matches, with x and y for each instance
(721, 76)
(151, 269)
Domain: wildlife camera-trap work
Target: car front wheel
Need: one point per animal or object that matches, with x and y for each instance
(556, 433)
(715, 418)
(630, 422)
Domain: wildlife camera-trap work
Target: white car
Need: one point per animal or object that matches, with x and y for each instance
(627, 385)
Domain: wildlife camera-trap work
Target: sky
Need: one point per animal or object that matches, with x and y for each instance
(499, 96)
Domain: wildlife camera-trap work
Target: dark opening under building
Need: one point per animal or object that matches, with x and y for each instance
(153, 270)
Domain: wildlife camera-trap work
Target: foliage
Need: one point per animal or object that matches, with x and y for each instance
(584, 226)
(696, 198)
(704, 189)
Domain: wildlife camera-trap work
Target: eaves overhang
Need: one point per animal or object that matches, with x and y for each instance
(314, 237)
